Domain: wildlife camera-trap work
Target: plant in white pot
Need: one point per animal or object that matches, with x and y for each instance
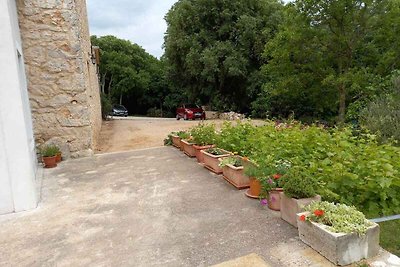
(339, 232)
(299, 190)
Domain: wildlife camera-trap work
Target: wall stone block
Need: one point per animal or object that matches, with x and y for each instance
(62, 81)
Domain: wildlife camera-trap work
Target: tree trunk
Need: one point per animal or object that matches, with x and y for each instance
(342, 104)
(109, 86)
(103, 82)
(120, 98)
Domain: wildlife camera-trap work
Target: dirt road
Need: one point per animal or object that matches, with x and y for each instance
(121, 134)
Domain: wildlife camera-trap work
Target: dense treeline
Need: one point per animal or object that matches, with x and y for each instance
(309, 59)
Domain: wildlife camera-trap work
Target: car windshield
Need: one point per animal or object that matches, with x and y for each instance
(191, 106)
(119, 107)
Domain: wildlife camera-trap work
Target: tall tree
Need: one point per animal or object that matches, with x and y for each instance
(213, 48)
(130, 75)
(327, 48)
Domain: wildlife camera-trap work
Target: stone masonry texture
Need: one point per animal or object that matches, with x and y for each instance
(62, 81)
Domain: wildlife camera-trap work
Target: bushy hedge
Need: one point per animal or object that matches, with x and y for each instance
(354, 170)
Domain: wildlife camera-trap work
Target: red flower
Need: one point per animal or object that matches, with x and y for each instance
(318, 213)
(302, 218)
(277, 176)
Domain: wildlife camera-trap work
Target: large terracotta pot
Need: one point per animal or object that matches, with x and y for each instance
(255, 188)
(291, 206)
(274, 199)
(199, 155)
(49, 162)
(176, 141)
(211, 161)
(236, 176)
(188, 148)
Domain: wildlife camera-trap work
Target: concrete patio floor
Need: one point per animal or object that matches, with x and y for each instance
(153, 207)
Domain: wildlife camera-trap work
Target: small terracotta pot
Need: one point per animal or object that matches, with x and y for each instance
(58, 157)
(236, 176)
(211, 161)
(199, 155)
(176, 141)
(255, 188)
(188, 148)
(49, 162)
(274, 199)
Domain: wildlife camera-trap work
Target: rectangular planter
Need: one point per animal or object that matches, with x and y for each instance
(188, 148)
(339, 248)
(199, 155)
(176, 141)
(211, 161)
(236, 176)
(291, 206)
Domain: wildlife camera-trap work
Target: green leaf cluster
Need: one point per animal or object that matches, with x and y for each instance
(203, 134)
(339, 218)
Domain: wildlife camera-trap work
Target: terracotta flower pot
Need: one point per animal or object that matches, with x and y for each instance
(236, 176)
(291, 206)
(49, 162)
(199, 155)
(255, 188)
(274, 199)
(58, 157)
(188, 148)
(211, 161)
(176, 141)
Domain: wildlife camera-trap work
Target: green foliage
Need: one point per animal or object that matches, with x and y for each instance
(389, 236)
(233, 137)
(106, 106)
(234, 161)
(382, 115)
(129, 73)
(299, 183)
(216, 151)
(213, 48)
(339, 218)
(49, 151)
(183, 134)
(204, 134)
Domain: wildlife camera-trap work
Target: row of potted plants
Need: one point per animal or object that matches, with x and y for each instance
(285, 188)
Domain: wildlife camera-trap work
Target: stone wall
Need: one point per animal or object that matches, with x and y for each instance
(62, 81)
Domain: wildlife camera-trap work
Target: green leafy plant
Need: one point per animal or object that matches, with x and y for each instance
(216, 151)
(298, 183)
(49, 151)
(204, 134)
(339, 218)
(183, 134)
(234, 161)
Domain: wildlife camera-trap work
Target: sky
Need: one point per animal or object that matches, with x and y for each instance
(140, 21)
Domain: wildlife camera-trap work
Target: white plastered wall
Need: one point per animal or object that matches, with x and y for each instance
(17, 149)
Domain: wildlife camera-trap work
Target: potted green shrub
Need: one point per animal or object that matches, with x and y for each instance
(255, 174)
(204, 137)
(49, 155)
(233, 171)
(211, 158)
(176, 138)
(299, 190)
(339, 232)
(271, 182)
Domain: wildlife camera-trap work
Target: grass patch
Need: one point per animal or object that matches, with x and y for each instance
(390, 233)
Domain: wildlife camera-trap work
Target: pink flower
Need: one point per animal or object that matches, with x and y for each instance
(270, 181)
(264, 202)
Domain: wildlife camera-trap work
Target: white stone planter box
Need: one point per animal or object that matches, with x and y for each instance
(339, 248)
(291, 206)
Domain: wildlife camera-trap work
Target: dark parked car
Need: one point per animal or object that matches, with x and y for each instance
(190, 112)
(119, 110)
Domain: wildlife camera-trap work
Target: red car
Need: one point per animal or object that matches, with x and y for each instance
(190, 112)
